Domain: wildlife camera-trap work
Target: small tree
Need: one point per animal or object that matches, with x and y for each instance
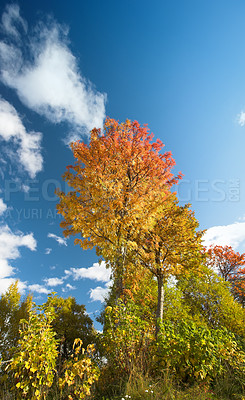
(203, 331)
(35, 359)
(79, 372)
(171, 246)
(70, 322)
(230, 265)
(225, 261)
(209, 298)
(126, 337)
(12, 310)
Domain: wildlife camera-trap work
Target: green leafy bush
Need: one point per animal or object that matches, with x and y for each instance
(34, 361)
(196, 353)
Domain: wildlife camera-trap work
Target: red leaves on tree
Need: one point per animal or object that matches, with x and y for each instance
(230, 265)
(121, 189)
(120, 180)
(225, 260)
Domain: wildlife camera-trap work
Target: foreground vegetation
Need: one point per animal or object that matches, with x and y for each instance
(199, 352)
(172, 327)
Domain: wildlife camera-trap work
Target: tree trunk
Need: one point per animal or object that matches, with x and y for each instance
(119, 273)
(119, 287)
(160, 301)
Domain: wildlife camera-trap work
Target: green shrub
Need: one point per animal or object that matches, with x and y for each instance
(193, 352)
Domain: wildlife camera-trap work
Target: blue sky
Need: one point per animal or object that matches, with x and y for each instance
(177, 66)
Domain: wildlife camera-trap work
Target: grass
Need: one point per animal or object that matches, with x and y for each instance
(143, 387)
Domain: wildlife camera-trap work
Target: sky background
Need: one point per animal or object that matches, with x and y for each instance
(178, 66)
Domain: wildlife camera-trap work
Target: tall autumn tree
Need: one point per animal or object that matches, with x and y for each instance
(119, 183)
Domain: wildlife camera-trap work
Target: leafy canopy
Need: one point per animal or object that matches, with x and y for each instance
(119, 182)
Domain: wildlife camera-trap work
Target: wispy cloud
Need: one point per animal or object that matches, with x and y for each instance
(97, 272)
(54, 281)
(38, 288)
(48, 250)
(25, 188)
(9, 250)
(241, 118)
(70, 287)
(3, 207)
(28, 144)
(46, 76)
(10, 19)
(230, 235)
(58, 239)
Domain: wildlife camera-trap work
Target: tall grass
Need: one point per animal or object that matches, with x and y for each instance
(139, 386)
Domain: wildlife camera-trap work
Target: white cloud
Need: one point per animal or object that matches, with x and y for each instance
(10, 18)
(70, 287)
(226, 235)
(48, 80)
(54, 281)
(9, 250)
(28, 143)
(48, 250)
(97, 272)
(25, 188)
(241, 118)
(3, 207)
(6, 282)
(39, 288)
(58, 239)
(99, 293)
